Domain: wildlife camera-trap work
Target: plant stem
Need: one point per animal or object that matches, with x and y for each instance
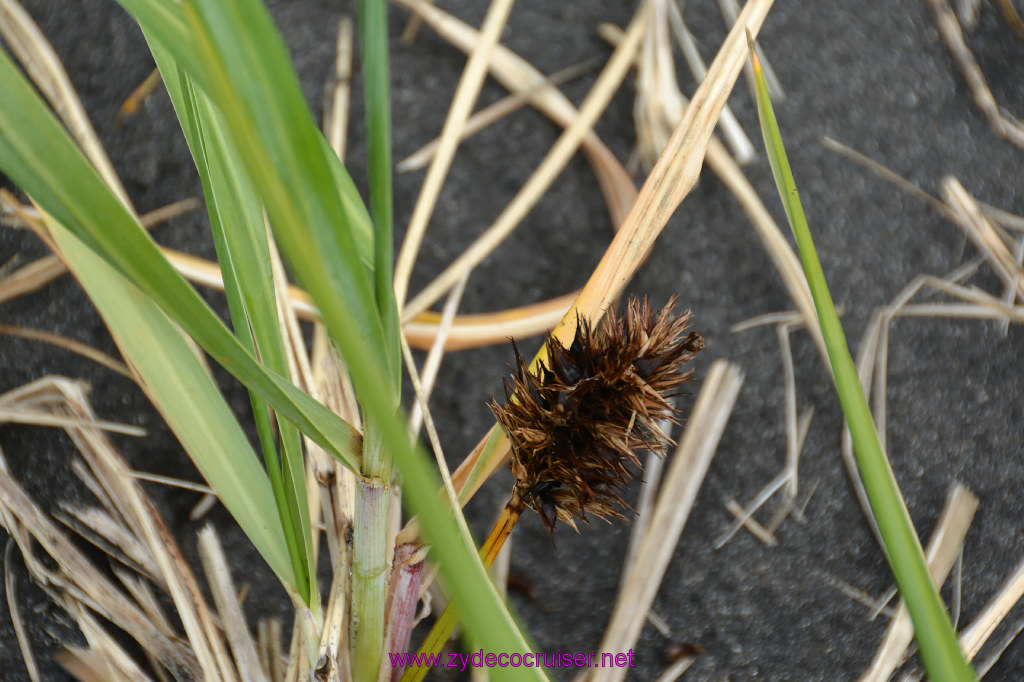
(404, 597)
(370, 550)
(445, 624)
(369, 563)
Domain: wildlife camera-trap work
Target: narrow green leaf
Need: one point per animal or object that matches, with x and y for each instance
(236, 220)
(936, 638)
(185, 395)
(248, 74)
(359, 222)
(370, 551)
(240, 235)
(373, 31)
(38, 155)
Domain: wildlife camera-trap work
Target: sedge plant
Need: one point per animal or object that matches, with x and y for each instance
(937, 641)
(262, 163)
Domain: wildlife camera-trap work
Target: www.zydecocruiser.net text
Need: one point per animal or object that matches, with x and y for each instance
(479, 659)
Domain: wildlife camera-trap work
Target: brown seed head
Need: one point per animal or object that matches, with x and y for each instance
(575, 422)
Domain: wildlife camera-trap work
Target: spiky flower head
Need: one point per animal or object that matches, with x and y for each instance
(576, 421)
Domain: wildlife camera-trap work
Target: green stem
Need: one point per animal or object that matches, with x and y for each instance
(370, 552)
(369, 566)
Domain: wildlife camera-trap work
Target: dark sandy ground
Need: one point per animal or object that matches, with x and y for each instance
(871, 73)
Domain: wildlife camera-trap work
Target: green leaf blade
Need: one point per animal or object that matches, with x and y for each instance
(38, 155)
(249, 76)
(203, 423)
(940, 650)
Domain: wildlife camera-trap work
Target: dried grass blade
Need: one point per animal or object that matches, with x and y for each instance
(215, 565)
(10, 589)
(756, 503)
(141, 591)
(44, 68)
(1008, 220)
(741, 146)
(554, 162)
(336, 111)
(645, 504)
(952, 34)
(432, 365)
(783, 317)
(435, 442)
(981, 628)
(412, 28)
(14, 415)
(482, 329)
(113, 537)
(105, 659)
(980, 231)
(333, 656)
(746, 520)
(789, 391)
(1000, 648)
(465, 97)
(66, 343)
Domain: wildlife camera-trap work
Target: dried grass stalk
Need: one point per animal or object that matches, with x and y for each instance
(949, 28)
(465, 97)
(1006, 597)
(243, 647)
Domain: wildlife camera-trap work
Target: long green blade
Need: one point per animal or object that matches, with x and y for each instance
(38, 155)
(186, 397)
(373, 31)
(936, 639)
(236, 219)
(370, 550)
(246, 71)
